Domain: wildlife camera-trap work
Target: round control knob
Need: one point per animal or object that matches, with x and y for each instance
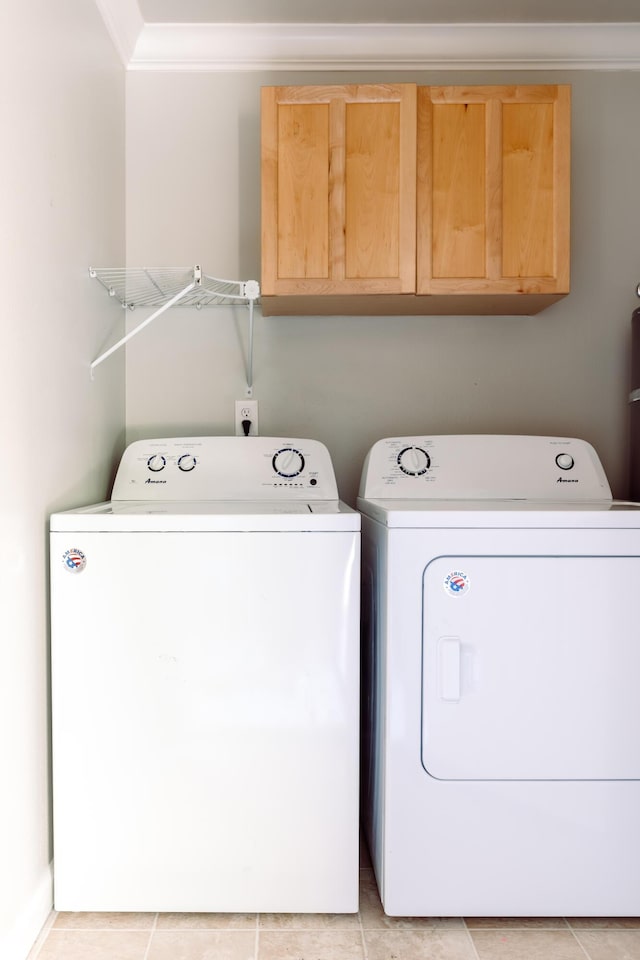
(565, 461)
(414, 461)
(186, 462)
(288, 462)
(156, 463)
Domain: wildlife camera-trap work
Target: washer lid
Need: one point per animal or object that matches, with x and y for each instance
(242, 516)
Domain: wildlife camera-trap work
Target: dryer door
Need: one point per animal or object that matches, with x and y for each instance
(531, 668)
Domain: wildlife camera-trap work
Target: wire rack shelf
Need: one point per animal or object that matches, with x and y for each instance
(154, 286)
(164, 287)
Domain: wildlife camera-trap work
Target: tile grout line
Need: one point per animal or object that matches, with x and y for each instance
(524, 926)
(578, 941)
(362, 936)
(257, 940)
(470, 939)
(154, 927)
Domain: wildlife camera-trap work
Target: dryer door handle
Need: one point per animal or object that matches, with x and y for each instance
(449, 668)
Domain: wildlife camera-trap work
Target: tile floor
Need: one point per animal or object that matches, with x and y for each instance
(367, 935)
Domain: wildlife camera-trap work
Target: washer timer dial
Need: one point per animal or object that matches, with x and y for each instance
(414, 461)
(156, 463)
(288, 462)
(186, 462)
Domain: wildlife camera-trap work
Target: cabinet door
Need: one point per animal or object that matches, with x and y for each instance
(338, 189)
(493, 189)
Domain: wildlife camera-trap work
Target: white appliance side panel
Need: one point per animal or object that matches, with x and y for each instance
(530, 668)
(373, 618)
(205, 722)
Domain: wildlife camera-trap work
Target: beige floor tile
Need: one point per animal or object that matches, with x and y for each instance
(95, 945)
(426, 944)
(603, 923)
(508, 944)
(610, 944)
(310, 945)
(104, 921)
(309, 921)
(207, 921)
(202, 945)
(528, 923)
(373, 916)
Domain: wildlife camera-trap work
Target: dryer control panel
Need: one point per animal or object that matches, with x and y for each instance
(477, 467)
(225, 468)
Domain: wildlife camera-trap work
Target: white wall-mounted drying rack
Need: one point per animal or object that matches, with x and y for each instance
(165, 287)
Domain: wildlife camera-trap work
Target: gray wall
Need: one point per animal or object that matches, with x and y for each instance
(193, 195)
(62, 202)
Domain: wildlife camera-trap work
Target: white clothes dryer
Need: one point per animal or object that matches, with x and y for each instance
(502, 665)
(205, 683)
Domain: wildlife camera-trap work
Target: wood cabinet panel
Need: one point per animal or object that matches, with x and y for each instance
(372, 189)
(493, 190)
(458, 190)
(527, 190)
(303, 186)
(338, 189)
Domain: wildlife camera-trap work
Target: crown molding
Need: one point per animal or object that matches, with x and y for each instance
(125, 25)
(209, 47)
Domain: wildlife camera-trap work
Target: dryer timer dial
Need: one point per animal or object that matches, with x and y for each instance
(414, 461)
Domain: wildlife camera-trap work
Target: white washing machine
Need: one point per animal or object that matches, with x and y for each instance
(205, 671)
(502, 665)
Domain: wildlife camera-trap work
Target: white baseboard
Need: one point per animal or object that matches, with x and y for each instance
(16, 943)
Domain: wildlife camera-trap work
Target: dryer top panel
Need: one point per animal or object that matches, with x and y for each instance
(503, 514)
(479, 468)
(235, 469)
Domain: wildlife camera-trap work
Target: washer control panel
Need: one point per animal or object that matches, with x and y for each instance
(225, 468)
(483, 468)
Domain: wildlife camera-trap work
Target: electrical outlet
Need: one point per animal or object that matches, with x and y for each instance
(247, 410)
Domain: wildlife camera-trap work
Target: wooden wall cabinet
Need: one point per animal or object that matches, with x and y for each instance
(397, 199)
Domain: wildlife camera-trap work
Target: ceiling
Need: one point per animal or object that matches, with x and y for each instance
(384, 11)
(225, 35)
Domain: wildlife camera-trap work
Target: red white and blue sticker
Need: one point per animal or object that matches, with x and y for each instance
(456, 583)
(74, 560)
